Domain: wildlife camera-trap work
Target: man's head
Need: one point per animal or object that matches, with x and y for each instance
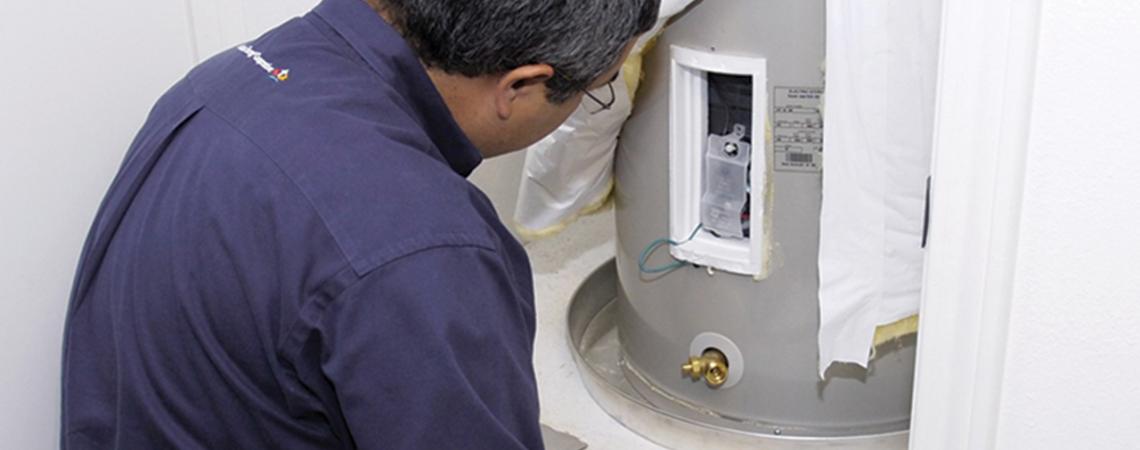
(511, 71)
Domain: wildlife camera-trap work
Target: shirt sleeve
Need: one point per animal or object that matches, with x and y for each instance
(434, 350)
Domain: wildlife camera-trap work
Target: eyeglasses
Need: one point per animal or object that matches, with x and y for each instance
(600, 105)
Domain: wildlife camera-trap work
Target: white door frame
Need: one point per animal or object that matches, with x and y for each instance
(222, 24)
(216, 25)
(982, 117)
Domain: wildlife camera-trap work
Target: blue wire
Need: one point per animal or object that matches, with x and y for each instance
(653, 246)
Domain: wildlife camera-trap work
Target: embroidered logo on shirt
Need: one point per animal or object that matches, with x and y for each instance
(275, 74)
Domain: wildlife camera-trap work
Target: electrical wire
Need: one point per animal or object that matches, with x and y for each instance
(653, 246)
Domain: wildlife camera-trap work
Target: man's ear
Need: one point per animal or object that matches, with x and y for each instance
(527, 81)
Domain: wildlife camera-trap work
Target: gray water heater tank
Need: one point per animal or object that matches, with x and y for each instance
(763, 324)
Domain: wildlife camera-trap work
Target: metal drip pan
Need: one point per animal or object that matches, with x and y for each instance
(641, 408)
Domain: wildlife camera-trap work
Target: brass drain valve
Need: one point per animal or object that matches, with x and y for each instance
(711, 365)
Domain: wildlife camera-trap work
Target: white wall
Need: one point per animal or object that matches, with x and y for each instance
(76, 82)
(1072, 378)
(499, 178)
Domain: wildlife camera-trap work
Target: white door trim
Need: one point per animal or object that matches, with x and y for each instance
(216, 25)
(982, 117)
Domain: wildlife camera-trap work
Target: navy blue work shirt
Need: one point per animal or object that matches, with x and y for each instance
(291, 257)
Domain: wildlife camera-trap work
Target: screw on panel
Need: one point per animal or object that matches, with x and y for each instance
(731, 148)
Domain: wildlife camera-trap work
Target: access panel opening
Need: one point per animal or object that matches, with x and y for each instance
(718, 170)
(727, 194)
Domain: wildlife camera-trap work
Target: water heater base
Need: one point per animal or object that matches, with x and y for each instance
(647, 411)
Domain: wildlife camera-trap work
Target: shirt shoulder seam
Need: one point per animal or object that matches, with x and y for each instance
(313, 311)
(300, 190)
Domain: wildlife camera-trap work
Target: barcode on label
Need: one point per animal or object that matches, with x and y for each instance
(799, 157)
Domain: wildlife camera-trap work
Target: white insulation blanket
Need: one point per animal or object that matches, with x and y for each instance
(882, 59)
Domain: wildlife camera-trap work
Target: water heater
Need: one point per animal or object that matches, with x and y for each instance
(722, 159)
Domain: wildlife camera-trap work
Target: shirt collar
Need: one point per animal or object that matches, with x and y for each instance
(389, 55)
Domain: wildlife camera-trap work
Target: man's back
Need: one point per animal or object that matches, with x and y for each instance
(290, 239)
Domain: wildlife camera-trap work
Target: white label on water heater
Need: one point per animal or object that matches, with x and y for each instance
(797, 131)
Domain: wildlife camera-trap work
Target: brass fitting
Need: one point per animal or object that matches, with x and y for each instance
(711, 365)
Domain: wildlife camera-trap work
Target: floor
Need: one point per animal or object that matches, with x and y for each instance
(560, 264)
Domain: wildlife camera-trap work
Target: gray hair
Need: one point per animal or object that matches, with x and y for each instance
(580, 39)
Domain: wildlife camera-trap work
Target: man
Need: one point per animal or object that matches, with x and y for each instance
(291, 256)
